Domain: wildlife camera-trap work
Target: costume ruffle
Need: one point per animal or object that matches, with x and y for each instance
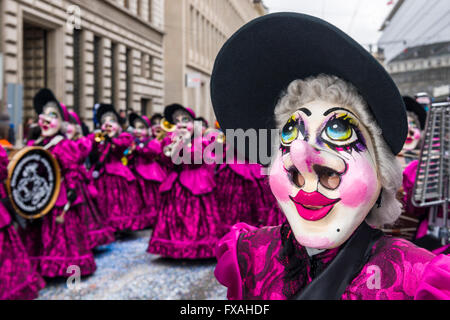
(435, 283)
(227, 268)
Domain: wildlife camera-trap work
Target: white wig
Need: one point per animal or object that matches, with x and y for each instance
(335, 90)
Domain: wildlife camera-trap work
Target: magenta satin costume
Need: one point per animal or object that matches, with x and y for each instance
(249, 265)
(99, 233)
(18, 278)
(118, 197)
(149, 174)
(52, 246)
(188, 225)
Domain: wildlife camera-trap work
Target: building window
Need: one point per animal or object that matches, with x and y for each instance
(97, 69)
(150, 11)
(77, 70)
(147, 66)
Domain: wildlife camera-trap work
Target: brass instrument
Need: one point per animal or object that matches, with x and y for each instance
(100, 136)
(167, 126)
(218, 134)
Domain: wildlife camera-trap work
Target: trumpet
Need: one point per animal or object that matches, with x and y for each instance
(167, 126)
(176, 139)
(100, 136)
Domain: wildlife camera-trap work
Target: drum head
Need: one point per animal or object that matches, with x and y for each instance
(33, 183)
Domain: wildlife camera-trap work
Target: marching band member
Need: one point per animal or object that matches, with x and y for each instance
(334, 174)
(99, 233)
(187, 223)
(148, 171)
(118, 195)
(57, 240)
(18, 278)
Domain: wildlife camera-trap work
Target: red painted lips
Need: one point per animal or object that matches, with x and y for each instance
(313, 206)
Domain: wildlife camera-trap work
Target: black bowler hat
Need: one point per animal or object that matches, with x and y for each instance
(156, 119)
(171, 109)
(44, 96)
(413, 106)
(134, 116)
(262, 58)
(105, 108)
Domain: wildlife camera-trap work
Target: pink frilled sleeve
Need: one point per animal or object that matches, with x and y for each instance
(227, 269)
(435, 283)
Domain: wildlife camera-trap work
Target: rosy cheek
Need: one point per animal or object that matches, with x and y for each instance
(279, 182)
(358, 184)
(416, 134)
(54, 123)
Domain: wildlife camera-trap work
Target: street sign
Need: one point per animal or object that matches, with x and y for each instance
(193, 80)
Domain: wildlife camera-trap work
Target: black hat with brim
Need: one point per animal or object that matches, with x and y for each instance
(156, 119)
(413, 106)
(256, 65)
(171, 109)
(134, 116)
(106, 108)
(42, 98)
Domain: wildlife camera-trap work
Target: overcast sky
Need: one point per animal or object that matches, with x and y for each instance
(361, 19)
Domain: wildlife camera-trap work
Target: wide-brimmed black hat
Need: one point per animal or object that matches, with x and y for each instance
(134, 116)
(256, 65)
(105, 108)
(45, 96)
(156, 119)
(171, 109)
(413, 106)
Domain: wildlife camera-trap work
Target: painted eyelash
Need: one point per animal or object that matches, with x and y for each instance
(359, 145)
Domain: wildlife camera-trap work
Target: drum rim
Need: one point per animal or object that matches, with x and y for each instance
(12, 165)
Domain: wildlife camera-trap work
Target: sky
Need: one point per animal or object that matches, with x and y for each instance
(361, 19)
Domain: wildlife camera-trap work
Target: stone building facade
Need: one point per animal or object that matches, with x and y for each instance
(86, 51)
(195, 30)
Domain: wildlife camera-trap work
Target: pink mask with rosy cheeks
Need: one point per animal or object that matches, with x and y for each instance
(111, 128)
(324, 191)
(50, 126)
(414, 134)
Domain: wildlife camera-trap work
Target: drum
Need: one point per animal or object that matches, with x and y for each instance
(33, 183)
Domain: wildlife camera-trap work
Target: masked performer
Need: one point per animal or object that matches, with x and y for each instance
(147, 169)
(58, 240)
(18, 278)
(187, 222)
(118, 196)
(99, 233)
(334, 172)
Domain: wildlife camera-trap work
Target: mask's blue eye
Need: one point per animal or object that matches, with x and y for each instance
(290, 131)
(339, 130)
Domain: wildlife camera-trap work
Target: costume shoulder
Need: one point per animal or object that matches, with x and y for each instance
(243, 253)
(395, 271)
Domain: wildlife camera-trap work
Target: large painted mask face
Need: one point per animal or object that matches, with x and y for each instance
(324, 176)
(50, 121)
(110, 125)
(414, 133)
(140, 130)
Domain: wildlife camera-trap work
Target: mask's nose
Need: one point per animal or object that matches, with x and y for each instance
(315, 166)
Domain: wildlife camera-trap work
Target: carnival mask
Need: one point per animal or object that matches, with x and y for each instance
(110, 125)
(414, 133)
(325, 174)
(140, 130)
(50, 120)
(184, 123)
(71, 131)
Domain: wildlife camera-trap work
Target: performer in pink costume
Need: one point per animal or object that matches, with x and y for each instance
(118, 199)
(99, 233)
(334, 174)
(147, 170)
(18, 279)
(58, 240)
(188, 224)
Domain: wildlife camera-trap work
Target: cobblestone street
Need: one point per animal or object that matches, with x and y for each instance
(125, 271)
